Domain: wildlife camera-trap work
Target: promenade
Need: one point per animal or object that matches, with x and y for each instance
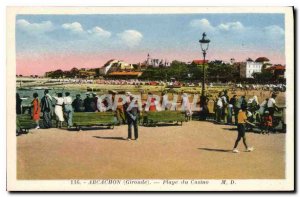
(196, 150)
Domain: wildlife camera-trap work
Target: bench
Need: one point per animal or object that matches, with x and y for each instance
(81, 119)
(153, 118)
(24, 123)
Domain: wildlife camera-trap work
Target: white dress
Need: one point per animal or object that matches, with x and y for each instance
(58, 108)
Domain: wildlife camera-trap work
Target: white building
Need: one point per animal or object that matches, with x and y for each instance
(156, 62)
(247, 70)
(117, 64)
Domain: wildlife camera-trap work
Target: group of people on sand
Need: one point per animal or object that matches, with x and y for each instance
(240, 110)
(245, 113)
(64, 107)
(226, 110)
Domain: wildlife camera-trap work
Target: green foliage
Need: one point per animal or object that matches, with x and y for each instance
(214, 70)
(56, 74)
(263, 77)
(178, 70)
(217, 70)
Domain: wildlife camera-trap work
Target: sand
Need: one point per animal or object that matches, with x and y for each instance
(196, 150)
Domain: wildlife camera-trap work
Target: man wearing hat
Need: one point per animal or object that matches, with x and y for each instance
(87, 103)
(78, 104)
(94, 102)
(132, 114)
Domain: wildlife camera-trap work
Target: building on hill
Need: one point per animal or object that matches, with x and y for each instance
(115, 65)
(247, 70)
(277, 70)
(85, 73)
(154, 62)
(262, 59)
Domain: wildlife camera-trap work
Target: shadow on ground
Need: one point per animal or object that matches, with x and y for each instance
(161, 125)
(230, 129)
(90, 128)
(110, 138)
(215, 150)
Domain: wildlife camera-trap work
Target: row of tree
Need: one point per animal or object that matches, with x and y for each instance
(214, 71)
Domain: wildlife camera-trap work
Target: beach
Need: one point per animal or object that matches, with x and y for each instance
(196, 150)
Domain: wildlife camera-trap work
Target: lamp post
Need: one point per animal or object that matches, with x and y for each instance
(204, 43)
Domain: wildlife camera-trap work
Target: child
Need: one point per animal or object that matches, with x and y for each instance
(242, 120)
(266, 123)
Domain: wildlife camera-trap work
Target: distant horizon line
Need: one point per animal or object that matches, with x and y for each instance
(138, 63)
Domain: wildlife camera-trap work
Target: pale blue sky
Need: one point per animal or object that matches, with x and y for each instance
(170, 36)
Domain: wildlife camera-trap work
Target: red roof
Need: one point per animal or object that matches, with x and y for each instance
(276, 67)
(262, 59)
(199, 61)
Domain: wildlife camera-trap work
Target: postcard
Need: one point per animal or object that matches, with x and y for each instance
(150, 99)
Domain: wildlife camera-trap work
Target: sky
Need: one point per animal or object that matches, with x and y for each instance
(50, 42)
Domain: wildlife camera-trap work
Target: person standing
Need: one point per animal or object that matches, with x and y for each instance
(204, 107)
(93, 103)
(59, 110)
(266, 123)
(271, 104)
(237, 106)
(241, 126)
(68, 109)
(87, 103)
(165, 101)
(18, 104)
(46, 105)
(224, 98)
(186, 106)
(132, 113)
(78, 104)
(219, 108)
(36, 110)
(119, 109)
(230, 109)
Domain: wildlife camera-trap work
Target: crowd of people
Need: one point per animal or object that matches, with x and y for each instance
(246, 87)
(227, 110)
(246, 114)
(63, 106)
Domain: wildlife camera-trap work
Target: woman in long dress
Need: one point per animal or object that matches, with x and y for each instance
(36, 110)
(58, 110)
(186, 106)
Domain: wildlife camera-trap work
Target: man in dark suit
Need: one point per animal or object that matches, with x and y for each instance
(132, 114)
(46, 107)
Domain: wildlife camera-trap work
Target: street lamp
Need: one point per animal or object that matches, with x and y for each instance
(204, 43)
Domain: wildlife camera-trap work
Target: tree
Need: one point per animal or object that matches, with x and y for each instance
(218, 70)
(74, 72)
(56, 74)
(263, 77)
